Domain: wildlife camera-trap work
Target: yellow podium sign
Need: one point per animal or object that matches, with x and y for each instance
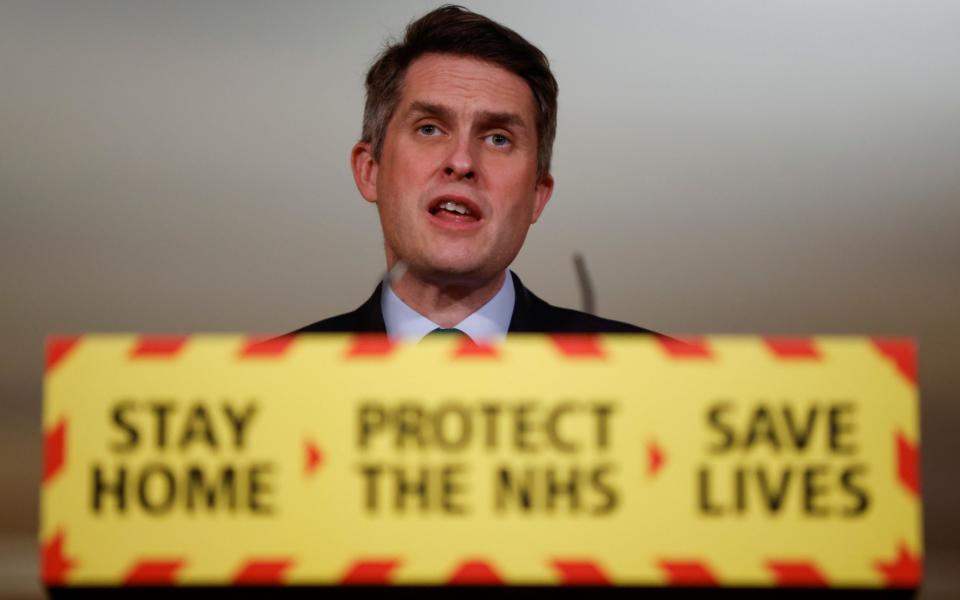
(544, 460)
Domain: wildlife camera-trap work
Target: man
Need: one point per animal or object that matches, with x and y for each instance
(458, 130)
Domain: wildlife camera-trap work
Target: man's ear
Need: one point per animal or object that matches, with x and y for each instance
(542, 195)
(364, 168)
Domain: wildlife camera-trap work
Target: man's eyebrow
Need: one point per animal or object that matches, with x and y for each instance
(429, 108)
(485, 118)
(500, 119)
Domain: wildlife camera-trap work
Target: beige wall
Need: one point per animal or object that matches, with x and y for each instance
(724, 167)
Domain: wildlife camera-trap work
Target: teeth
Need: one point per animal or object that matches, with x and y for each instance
(454, 207)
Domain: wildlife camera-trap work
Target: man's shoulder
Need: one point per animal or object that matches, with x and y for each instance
(531, 314)
(368, 318)
(568, 320)
(345, 323)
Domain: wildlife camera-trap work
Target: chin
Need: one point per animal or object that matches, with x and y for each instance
(457, 272)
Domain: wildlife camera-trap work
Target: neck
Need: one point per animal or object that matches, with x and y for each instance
(445, 304)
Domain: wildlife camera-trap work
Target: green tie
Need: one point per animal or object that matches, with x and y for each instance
(440, 331)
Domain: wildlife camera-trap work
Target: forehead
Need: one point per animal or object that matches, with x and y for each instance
(466, 84)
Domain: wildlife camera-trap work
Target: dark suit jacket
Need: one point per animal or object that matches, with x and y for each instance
(530, 315)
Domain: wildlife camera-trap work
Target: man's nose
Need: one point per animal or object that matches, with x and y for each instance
(460, 163)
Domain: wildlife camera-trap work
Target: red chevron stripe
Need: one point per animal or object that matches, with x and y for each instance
(369, 345)
(686, 348)
(54, 450)
(902, 352)
(908, 463)
(688, 573)
(578, 345)
(791, 348)
(262, 572)
(158, 346)
(468, 348)
(58, 347)
(370, 572)
(266, 346)
(154, 572)
(796, 573)
(475, 572)
(580, 572)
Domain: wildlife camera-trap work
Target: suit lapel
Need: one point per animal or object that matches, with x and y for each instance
(369, 317)
(524, 317)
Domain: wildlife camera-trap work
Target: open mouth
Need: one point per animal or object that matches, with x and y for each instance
(455, 209)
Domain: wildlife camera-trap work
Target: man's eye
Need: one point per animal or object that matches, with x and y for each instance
(429, 130)
(498, 139)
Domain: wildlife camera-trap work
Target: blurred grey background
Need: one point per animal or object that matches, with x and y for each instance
(736, 166)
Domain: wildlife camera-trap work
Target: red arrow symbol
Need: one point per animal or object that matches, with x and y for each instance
(55, 565)
(905, 571)
(655, 458)
(313, 457)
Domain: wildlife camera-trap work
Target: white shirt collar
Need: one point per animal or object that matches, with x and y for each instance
(489, 323)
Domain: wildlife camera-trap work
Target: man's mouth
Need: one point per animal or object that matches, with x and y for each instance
(455, 209)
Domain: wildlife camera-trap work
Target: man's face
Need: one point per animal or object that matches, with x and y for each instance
(456, 185)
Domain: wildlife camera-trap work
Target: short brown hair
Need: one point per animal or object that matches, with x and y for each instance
(458, 31)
